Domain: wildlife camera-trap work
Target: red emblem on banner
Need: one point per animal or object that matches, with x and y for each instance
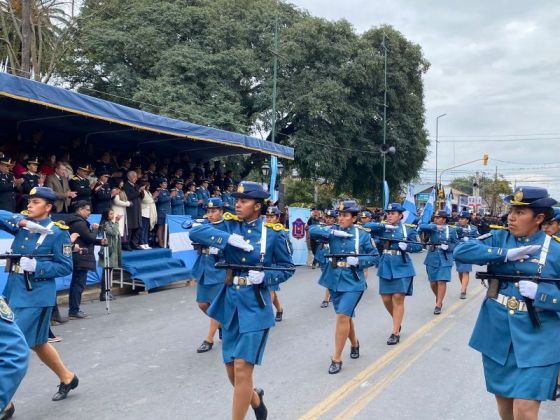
(298, 229)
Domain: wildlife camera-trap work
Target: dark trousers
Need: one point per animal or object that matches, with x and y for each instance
(134, 237)
(314, 248)
(77, 286)
(145, 238)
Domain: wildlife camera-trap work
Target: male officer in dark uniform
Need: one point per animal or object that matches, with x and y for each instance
(7, 184)
(81, 185)
(102, 197)
(31, 179)
(31, 288)
(243, 306)
(14, 356)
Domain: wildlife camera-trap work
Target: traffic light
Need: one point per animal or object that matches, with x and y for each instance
(485, 159)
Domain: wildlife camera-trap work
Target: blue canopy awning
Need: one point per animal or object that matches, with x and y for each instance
(24, 102)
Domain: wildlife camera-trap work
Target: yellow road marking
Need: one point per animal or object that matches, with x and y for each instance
(363, 400)
(342, 392)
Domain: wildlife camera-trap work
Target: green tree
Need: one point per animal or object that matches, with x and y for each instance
(492, 189)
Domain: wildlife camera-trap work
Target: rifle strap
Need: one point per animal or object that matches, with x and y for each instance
(43, 236)
(544, 255)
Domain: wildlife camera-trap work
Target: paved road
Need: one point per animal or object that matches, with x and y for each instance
(140, 361)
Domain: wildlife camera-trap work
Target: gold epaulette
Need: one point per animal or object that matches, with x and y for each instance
(25, 213)
(498, 227)
(556, 238)
(410, 225)
(229, 216)
(61, 225)
(75, 178)
(275, 226)
(365, 229)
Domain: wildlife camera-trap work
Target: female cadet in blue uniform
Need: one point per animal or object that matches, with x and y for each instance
(396, 270)
(178, 200)
(273, 217)
(465, 232)
(329, 219)
(243, 306)
(227, 198)
(162, 197)
(202, 194)
(191, 201)
(14, 356)
(439, 259)
(345, 277)
(38, 234)
(210, 279)
(521, 362)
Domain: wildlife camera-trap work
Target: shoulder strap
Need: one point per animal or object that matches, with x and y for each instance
(43, 236)
(544, 254)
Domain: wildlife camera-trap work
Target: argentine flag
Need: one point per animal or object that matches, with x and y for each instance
(429, 208)
(410, 206)
(448, 202)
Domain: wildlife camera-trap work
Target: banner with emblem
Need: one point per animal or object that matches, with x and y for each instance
(298, 218)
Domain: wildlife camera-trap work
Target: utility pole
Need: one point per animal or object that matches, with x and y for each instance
(25, 68)
(384, 117)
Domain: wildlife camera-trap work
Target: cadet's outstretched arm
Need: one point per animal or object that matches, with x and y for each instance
(9, 221)
(479, 252)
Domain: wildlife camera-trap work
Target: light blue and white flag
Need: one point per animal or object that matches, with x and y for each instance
(385, 195)
(273, 174)
(429, 208)
(448, 202)
(409, 204)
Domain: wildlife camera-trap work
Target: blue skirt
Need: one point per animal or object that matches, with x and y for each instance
(34, 324)
(463, 268)
(401, 285)
(438, 273)
(274, 287)
(205, 293)
(534, 383)
(247, 346)
(345, 302)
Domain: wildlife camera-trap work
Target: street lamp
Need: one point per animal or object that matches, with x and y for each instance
(437, 142)
(265, 170)
(280, 169)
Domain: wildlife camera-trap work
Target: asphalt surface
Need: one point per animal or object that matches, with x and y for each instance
(140, 362)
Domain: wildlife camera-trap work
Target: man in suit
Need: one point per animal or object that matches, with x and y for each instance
(58, 182)
(135, 194)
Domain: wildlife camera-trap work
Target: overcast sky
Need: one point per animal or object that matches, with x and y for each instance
(495, 71)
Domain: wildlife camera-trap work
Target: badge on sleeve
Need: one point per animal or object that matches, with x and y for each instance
(5, 312)
(67, 250)
(289, 247)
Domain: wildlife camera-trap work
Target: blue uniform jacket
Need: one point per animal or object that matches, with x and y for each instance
(229, 201)
(438, 257)
(202, 194)
(343, 279)
(241, 300)
(191, 205)
(177, 203)
(204, 268)
(43, 281)
(163, 202)
(14, 355)
(497, 328)
(393, 266)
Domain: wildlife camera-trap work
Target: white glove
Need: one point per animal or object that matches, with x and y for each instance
(37, 228)
(528, 289)
(28, 264)
(403, 246)
(521, 252)
(465, 239)
(341, 234)
(213, 251)
(353, 261)
(445, 247)
(390, 227)
(238, 242)
(256, 277)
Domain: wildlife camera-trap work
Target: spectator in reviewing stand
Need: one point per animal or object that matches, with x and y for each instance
(83, 262)
(135, 194)
(162, 197)
(120, 204)
(48, 166)
(109, 228)
(149, 214)
(58, 182)
(7, 185)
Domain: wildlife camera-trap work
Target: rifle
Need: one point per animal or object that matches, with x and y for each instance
(243, 267)
(15, 258)
(494, 281)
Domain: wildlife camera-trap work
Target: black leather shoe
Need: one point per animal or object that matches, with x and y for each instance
(437, 310)
(335, 367)
(8, 412)
(557, 392)
(463, 295)
(261, 412)
(64, 389)
(393, 339)
(102, 297)
(78, 315)
(279, 314)
(324, 304)
(355, 351)
(204, 347)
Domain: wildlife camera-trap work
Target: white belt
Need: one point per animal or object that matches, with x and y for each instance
(391, 251)
(511, 302)
(241, 281)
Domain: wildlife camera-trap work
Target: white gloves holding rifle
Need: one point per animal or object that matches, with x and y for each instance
(352, 261)
(28, 264)
(528, 288)
(238, 242)
(255, 277)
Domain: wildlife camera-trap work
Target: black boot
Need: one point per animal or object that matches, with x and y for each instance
(64, 389)
(261, 412)
(8, 412)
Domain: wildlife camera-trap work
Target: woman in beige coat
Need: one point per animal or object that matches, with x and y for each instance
(120, 203)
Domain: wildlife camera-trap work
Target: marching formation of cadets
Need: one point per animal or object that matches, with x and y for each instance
(245, 254)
